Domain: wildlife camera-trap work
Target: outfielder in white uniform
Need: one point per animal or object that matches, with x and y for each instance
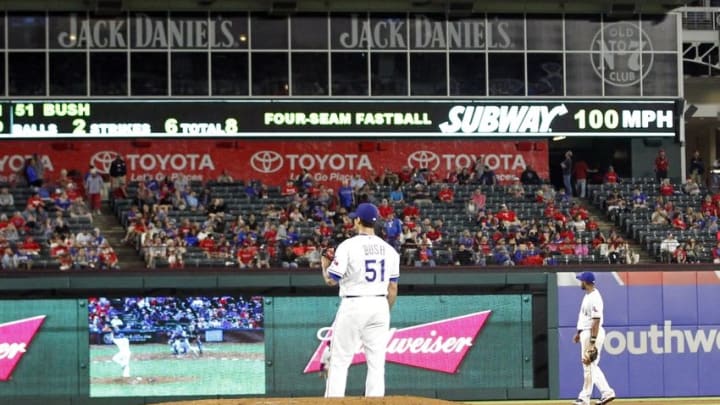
(590, 334)
(122, 357)
(367, 269)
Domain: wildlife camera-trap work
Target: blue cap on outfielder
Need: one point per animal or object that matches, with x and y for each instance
(367, 212)
(587, 277)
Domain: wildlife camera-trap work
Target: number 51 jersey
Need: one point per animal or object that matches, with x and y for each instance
(365, 265)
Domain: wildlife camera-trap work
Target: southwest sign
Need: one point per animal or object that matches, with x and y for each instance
(15, 338)
(437, 346)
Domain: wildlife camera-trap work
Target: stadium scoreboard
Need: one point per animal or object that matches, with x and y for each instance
(489, 118)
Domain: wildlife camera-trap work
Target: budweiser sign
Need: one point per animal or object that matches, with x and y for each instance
(15, 337)
(438, 346)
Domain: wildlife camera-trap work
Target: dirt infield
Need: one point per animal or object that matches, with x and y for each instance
(406, 400)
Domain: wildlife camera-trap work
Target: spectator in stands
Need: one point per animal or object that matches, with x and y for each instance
(224, 177)
(388, 178)
(666, 188)
(10, 259)
(680, 255)
(662, 165)
(411, 210)
(678, 222)
(446, 194)
(263, 257)
(385, 209)
(420, 194)
(393, 229)
(694, 251)
(6, 199)
(463, 256)
(357, 182)
(501, 254)
(346, 195)
(464, 177)
(660, 216)
(62, 202)
(697, 168)
(580, 171)
(118, 172)
(32, 177)
(93, 186)
(396, 196)
(425, 255)
(567, 166)
(639, 199)
(516, 190)
(246, 256)
(529, 177)
(507, 217)
(488, 177)
(108, 257)
(668, 246)
(708, 207)
(611, 177)
(691, 187)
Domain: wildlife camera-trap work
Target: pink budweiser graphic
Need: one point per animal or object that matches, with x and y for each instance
(438, 346)
(15, 337)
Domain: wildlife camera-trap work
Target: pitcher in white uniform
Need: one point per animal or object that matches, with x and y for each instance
(590, 333)
(367, 269)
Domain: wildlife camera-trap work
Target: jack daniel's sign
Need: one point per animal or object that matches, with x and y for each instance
(139, 30)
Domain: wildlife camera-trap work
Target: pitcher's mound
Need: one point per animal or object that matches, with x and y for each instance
(398, 400)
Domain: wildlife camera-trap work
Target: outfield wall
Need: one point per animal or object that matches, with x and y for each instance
(458, 334)
(663, 333)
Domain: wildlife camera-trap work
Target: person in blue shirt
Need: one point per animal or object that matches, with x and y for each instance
(396, 196)
(393, 229)
(346, 195)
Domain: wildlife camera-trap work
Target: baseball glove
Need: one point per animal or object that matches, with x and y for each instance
(591, 355)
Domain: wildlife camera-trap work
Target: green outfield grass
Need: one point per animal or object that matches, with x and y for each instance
(224, 369)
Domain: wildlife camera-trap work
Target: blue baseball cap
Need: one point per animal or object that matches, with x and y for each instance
(367, 212)
(587, 277)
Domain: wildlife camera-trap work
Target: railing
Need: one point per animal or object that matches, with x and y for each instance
(701, 18)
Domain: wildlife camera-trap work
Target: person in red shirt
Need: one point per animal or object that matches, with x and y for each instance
(591, 225)
(35, 200)
(611, 176)
(108, 257)
(666, 189)
(678, 222)
(433, 234)
(576, 210)
(18, 221)
(246, 256)
(567, 247)
(385, 209)
(208, 246)
(446, 194)
(661, 166)
(30, 247)
(580, 172)
(289, 189)
(405, 175)
(411, 210)
(506, 216)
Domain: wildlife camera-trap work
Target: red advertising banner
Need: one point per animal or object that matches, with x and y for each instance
(274, 161)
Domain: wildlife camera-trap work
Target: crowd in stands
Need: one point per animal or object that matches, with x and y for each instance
(48, 222)
(467, 218)
(165, 313)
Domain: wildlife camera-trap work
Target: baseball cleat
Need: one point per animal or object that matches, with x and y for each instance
(605, 400)
(580, 402)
